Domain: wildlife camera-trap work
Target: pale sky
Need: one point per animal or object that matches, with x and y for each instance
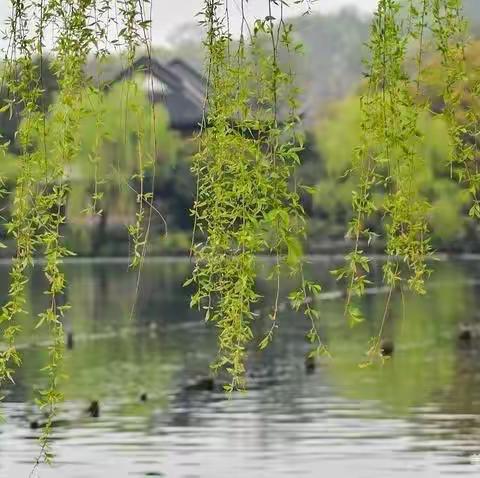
(170, 15)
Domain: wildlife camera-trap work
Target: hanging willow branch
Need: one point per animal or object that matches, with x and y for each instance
(388, 161)
(49, 142)
(19, 76)
(450, 29)
(245, 205)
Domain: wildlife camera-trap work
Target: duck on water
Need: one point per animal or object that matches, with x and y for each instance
(93, 411)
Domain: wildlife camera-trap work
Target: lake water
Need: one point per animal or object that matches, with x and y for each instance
(417, 416)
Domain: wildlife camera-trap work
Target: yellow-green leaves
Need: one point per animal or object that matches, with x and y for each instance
(245, 203)
(388, 160)
(48, 141)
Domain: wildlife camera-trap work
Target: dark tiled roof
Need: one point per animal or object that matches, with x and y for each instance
(181, 89)
(177, 85)
(193, 79)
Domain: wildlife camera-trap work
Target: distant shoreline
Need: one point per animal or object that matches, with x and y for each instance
(338, 257)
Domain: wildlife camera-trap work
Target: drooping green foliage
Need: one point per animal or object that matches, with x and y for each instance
(337, 136)
(388, 158)
(338, 133)
(248, 151)
(43, 186)
(109, 170)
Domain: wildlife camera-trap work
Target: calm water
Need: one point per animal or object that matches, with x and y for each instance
(418, 416)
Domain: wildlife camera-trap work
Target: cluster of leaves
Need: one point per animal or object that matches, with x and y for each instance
(108, 170)
(337, 135)
(388, 158)
(135, 33)
(48, 141)
(249, 148)
(450, 31)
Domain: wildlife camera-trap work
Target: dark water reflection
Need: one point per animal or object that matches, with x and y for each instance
(416, 416)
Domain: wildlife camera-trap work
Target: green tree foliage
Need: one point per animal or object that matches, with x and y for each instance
(337, 136)
(389, 162)
(103, 175)
(244, 205)
(115, 150)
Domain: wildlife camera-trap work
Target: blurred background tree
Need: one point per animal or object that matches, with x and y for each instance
(330, 73)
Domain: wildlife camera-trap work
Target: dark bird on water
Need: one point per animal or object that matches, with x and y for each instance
(143, 397)
(387, 348)
(469, 332)
(94, 409)
(70, 342)
(35, 425)
(465, 336)
(206, 384)
(309, 365)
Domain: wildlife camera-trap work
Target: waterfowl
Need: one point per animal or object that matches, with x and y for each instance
(70, 341)
(469, 332)
(37, 424)
(204, 384)
(465, 335)
(94, 409)
(309, 365)
(143, 397)
(387, 348)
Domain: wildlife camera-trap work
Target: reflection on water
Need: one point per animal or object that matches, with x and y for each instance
(416, 416)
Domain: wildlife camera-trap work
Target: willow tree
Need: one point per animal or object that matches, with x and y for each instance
(247, 200)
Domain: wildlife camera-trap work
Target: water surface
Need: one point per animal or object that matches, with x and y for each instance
(417, 416)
